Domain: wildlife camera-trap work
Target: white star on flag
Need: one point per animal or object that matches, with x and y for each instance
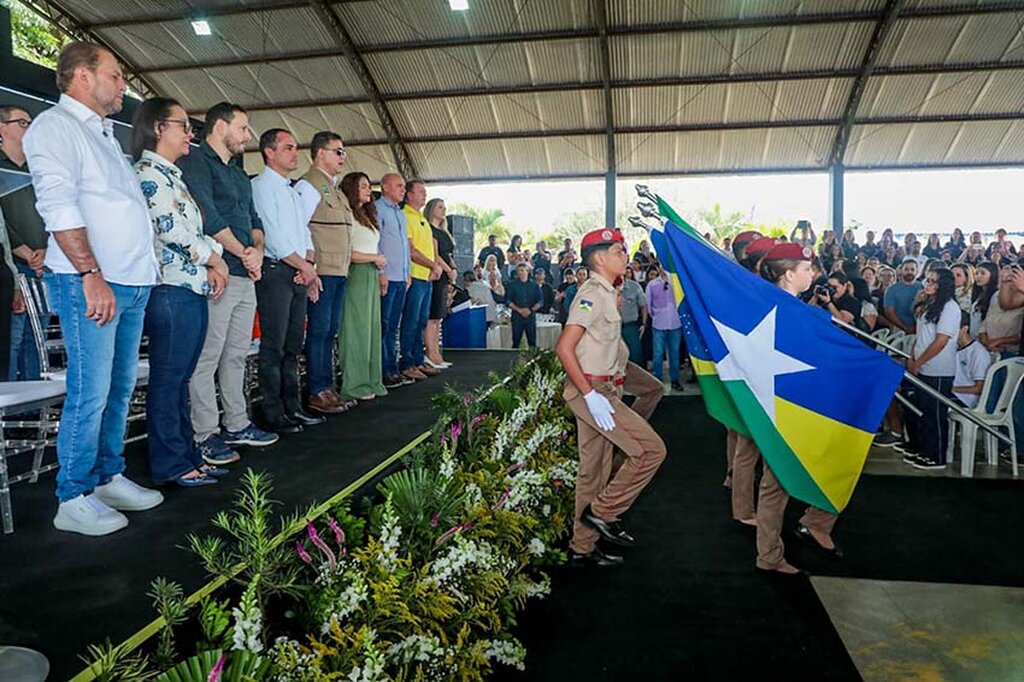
(754, 359)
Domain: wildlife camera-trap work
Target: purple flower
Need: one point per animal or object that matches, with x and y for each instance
(303, 554)
(456, 430)
(477, 419)
(216, 670)
(466, 399)
(321, 545)
(434, 520)
(501, 500)
(514, 468)
(339, 534)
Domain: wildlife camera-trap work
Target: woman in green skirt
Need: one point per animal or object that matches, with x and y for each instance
(360, 325)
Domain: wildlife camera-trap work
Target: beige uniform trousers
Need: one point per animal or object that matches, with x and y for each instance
(744, 463)
(610, 495)
(771, 508)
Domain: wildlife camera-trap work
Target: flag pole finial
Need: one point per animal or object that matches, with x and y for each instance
(637, 222)
(648, 210)
(645, 192)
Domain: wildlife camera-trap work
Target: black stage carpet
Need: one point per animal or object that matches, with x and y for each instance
(690, 605)
(60, 592)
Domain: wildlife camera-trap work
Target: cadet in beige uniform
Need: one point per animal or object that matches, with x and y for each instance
(597, 363)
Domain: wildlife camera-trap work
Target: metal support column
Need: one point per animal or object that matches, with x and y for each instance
(609, 114)
(836, 198)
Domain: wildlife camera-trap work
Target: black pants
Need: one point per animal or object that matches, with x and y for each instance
(929, 433)
(282, 308)
(6, 294)
(521, 324)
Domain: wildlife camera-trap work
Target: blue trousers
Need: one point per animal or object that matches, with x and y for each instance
(24, 354)
(102, 369)
(176, 320)
(631, 335)
(414, 321)
(323, 322)
(522, 324)
(667, 340)
(391, 306)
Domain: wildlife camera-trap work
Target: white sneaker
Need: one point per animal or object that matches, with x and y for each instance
(124, 495)
(435, 365)
(86, 514)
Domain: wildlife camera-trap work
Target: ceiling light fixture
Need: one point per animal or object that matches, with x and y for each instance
(458, 5)
(201, 27)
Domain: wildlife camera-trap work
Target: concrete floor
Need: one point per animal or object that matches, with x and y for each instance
(888, 462)
(928, 632)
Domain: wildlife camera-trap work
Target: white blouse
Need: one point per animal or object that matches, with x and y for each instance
(364, 239)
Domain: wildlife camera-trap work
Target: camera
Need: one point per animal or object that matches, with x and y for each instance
(822, 289)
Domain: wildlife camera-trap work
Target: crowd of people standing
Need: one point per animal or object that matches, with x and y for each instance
(180, 245)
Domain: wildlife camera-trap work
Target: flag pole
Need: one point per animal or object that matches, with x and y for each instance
(962, 411)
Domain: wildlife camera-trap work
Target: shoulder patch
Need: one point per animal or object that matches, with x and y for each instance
(586, 306)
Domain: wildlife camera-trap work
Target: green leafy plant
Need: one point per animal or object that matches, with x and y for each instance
(219, 666)
(424, 500)
(214, 624)
(169, 601)
(111, 663)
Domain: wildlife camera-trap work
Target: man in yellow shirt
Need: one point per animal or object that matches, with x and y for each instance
(425, 269)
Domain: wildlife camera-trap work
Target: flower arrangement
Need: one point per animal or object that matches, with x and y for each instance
(425, 583)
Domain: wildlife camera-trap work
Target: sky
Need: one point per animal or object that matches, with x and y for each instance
(918, 201)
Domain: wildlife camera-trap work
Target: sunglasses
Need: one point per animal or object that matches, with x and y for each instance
(183, 122)
(340, 151)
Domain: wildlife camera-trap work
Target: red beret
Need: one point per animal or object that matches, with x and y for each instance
(603, 236)
(787, 250)
(746, 237)
(760, 245)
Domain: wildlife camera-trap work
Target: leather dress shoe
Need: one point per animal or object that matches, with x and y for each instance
(804, 533)
(283, 425)
(610, 531)
(305, 418)
(428, 370)
(595, 558)
(325, 402)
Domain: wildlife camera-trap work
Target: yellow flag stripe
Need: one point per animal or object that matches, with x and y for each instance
(833, 453)
(703, 367)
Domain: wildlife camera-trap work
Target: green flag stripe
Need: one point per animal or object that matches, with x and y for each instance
(785, 464)
(720, 405)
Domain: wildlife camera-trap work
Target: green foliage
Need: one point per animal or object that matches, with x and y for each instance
(503, 400)
(34, 39)
(237, 666)
(424, 501)
(487, 221)
(111, 663)
(169, 601)
(214, 624)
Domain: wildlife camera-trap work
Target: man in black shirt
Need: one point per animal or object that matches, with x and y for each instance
(540, 276)
(492, 250)
(525, 299)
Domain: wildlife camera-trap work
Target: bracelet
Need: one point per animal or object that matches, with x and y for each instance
(91, 271)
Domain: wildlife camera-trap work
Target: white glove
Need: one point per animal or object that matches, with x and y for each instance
(601, 410)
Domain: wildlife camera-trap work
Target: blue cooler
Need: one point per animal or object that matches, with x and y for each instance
(465, 328)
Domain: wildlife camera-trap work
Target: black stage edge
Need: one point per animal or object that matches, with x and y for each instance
(62, 592)
(689, 603)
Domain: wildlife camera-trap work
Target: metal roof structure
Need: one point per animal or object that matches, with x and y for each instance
(593, 88)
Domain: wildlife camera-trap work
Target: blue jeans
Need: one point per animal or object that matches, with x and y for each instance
(391, 305)
(176, 320)
(323, 323)
(414, 321)
(667, 340)
(522, 324)
(24, 354)
(102, 367)
(631, 335)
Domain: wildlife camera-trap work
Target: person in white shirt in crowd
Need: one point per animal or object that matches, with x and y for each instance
(101, 269)
(481, 294)
(191, 269)
(972, 363)
(288, 280)
(1000, 330)
(933, 360)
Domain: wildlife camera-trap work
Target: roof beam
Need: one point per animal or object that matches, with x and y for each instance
(709, 79)
(692, 128)
(71, 27)
(567, 34)
(867, 67)
(601, 19)
(228, 11)
(330, 21)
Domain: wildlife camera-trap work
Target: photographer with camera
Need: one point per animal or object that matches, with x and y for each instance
(836, 296)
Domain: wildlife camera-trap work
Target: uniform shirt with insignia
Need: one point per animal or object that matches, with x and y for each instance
(601, 350)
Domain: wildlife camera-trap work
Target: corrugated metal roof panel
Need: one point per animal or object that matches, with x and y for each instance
(732, 102)
(495, 158)
(658, 11)
(979, 92)
(463, 67)
(353, 122)
(393, 21)
(797, 48)
(723, 149)
(985, 37)
(950, 143)
(500, 113)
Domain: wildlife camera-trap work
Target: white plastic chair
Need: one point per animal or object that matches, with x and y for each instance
(1001, 415)
(882, 335)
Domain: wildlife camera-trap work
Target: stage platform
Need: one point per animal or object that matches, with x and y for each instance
(61, 592)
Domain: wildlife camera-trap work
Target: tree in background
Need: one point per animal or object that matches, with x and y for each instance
(487, 221)
(34, 39)
(721, 224)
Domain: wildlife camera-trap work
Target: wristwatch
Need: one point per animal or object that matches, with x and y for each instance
(91, 271)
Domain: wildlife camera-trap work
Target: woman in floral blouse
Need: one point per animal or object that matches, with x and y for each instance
(191, 269)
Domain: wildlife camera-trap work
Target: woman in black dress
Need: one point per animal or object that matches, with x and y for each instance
(445, 248)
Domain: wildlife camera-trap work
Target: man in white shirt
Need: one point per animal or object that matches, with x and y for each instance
(101, 268)
(972, 363)
(289, 278)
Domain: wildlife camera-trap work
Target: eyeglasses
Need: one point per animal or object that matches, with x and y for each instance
(340, 151)
(184, 123)
(23, 122)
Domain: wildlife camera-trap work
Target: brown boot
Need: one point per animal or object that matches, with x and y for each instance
(324, 402)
